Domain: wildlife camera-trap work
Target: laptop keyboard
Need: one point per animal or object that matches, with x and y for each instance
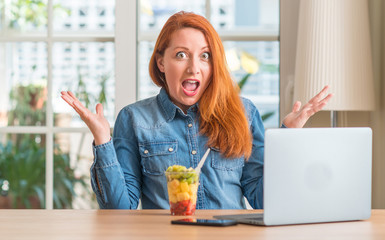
(240, 217)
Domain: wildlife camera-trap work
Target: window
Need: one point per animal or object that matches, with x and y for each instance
(249, 30)
(47, 46)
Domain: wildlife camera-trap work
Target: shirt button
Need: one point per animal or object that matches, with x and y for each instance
(170, 149)
(145, 151)
(193, 152)
(189, 125)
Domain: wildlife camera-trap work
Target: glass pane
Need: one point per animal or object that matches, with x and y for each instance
(84, 16)
(23, 80)
(86, 69)
(262, 87)
(245, 14)
(154, 13)
(72, 161)
(145, 85)
(261, 61)
(2, 16)
(22, 171)
(23, 17)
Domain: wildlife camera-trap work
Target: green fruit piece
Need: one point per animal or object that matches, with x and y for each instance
(175, 168)
(183, 180)
(175, 175)
(190, 180)
(186, 175)
(182, 169)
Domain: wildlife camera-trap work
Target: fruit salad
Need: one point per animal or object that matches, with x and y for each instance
(182, 186)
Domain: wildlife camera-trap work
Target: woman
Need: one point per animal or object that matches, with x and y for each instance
(198, 107)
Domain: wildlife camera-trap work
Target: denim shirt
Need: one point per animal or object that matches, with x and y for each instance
(154, 133)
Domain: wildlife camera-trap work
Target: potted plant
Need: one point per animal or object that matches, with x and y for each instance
(22, 158)
(249, 64)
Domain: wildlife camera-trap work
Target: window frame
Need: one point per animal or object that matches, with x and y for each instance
(49, 130)
(126, 39)
(131, 28)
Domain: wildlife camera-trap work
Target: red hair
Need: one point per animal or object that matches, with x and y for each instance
(222, 116)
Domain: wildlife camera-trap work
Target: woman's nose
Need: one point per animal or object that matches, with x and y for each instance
(193, 67)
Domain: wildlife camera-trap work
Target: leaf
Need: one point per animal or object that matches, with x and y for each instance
(66, 202)
(267, 115)
(56, 201)
(243, 81)
(69, 186)
(40, 195)
(249, 63)
(27, 203)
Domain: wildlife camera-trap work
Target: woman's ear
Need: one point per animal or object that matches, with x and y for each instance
(159, 62)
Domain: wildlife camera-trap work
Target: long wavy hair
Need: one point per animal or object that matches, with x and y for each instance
(222, 116)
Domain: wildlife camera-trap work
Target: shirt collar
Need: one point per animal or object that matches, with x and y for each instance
(169, 108)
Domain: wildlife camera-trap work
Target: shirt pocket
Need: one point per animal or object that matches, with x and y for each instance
(225, 164)
(157, 156)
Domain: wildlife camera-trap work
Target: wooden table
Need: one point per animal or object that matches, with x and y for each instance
(155, 224)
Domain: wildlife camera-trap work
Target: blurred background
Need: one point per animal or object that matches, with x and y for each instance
(47, 46)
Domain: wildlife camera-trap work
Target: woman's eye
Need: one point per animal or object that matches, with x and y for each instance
(206, 55)
(181, 55)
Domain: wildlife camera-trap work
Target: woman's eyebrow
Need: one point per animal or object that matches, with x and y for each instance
(189, 49)
(181, 47)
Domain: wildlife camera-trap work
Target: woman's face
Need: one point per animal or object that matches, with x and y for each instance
(186, 64)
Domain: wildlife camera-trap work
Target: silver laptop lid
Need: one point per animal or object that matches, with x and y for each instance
(317, 175)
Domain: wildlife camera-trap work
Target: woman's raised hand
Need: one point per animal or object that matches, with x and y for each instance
(299, 116)
(97, 123)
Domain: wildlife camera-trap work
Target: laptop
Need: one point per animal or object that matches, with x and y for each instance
(314, 175)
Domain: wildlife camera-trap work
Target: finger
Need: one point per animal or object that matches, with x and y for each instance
(99, 109)
(68, 100)
(64, 93)
(327, 98)
(75, 99)
(73, 96)
(316, 109)
(70, 97)
(320, 95)
(296, 106)
(81, 110)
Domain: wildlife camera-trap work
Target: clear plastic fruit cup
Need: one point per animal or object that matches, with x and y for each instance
(182, 187)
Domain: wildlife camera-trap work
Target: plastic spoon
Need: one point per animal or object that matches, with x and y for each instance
(200, 164)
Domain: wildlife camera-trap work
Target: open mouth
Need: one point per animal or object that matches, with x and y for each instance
(190, 87)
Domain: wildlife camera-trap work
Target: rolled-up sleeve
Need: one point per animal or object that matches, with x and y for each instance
(117, 169)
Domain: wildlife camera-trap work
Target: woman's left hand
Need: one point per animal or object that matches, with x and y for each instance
(299, 116)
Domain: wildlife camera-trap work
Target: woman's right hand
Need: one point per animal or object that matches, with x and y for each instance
(97, 123)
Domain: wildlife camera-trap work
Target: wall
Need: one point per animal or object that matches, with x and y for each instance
(375, 119)
(377, 20)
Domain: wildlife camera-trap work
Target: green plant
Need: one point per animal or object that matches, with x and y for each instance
(85, 96)
(22, 158)
(251, 65)
(22, 13)
(65, 180)
(23, 166)
(28, 105)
